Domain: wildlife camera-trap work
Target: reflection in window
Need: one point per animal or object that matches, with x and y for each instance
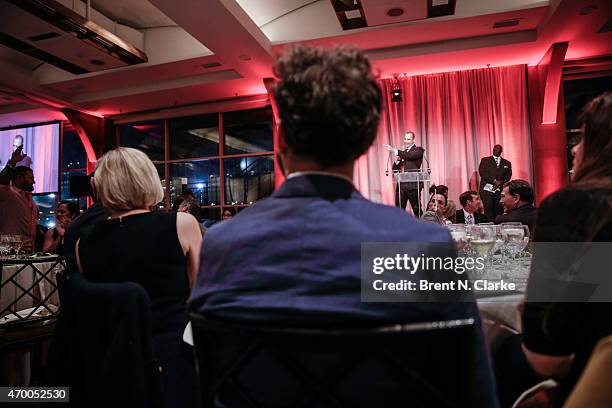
(248, 131)
(199, 179)
(147, 137)
(247, 179)
(46, 209)
(194, 136)
(162, 176)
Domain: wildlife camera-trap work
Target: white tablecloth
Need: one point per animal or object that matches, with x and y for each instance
(19, 276)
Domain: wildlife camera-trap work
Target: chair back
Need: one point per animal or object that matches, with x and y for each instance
(416, 365)
(103, 342)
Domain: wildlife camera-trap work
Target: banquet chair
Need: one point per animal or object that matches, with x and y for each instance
(250, 364)
(103, 349)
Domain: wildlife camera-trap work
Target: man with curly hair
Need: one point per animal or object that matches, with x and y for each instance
(295, 257)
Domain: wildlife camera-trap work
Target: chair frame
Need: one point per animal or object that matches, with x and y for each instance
(319, 388)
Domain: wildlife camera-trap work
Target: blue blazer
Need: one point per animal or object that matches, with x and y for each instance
(295, 257)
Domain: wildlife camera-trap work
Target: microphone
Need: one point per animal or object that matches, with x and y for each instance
(388, 160)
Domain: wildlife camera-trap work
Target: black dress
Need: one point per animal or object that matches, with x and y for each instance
(144, 248)
(572, 214)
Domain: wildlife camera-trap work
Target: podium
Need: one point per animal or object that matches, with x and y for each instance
(420, 177)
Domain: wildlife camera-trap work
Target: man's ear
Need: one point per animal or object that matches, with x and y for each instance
(282, 145)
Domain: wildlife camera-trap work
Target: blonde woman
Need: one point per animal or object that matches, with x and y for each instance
(157, 250)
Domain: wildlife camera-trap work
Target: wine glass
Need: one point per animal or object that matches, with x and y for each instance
(17, 244)
(459, 234)
(483, 240)
(513, 238)
(4, 246)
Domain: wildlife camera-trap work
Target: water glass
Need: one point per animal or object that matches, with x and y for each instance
(483, 241)
(459, 234)
(5, 246)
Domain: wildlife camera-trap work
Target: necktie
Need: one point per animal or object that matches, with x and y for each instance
(470, 219)
(497, 159)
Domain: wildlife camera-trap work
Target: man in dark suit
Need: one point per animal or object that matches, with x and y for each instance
(517, 200)
(408, 158)
(295, 257)
(494, 172)
(470, 201)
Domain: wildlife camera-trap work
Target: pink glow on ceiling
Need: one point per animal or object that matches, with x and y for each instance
(144, 128)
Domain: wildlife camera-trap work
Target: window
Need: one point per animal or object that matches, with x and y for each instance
(74, 163)
(247, 179)
(196, 178)
(46, 209)
(223, 160)
(195, 136)
(248, 131)
(577, 93)
(145, 136)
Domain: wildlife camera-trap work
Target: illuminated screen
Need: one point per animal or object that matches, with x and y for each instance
(41, 146)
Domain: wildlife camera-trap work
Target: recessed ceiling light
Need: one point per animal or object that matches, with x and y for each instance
(395, 12)
(211, 65)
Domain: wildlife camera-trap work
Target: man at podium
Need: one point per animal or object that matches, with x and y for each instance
(410, 157)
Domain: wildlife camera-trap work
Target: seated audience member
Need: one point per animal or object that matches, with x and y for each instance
(18, 212)
(471, 202)
(191, 206)
(436, 208)
(517, 200)
(157, 250)
(295, 257)
(54, 237)
(228, 214)
(451, 207)
(559, 337)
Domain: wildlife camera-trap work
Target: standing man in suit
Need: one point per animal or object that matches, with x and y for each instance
(494, 172)
(410, 157)
(295, 256)
(470, 201)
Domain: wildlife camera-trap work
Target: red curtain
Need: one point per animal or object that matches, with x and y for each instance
(457, 117)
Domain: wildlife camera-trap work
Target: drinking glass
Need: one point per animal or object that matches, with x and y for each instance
(4, 246)
(17, 244)
(483, 240)
(459, 234)
(513, 238)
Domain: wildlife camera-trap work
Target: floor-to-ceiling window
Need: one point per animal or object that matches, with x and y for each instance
(223, 160)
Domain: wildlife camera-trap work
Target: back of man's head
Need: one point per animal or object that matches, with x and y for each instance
(190, 206)
(329, 103)
(521, 188)
(440, 189)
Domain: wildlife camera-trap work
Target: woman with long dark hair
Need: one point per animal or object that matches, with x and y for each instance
(558, 336)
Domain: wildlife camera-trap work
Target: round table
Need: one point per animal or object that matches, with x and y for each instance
(28, 289)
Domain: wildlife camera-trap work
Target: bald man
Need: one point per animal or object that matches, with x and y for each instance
(25, 159)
